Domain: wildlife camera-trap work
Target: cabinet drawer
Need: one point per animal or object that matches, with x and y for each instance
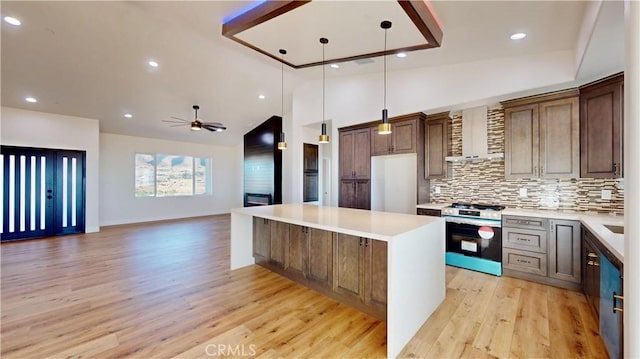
(526, 239)
(525, 222)
(524, 261)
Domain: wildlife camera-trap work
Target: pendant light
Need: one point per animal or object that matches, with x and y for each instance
(324, 138)
(282, 145)
(385, 127)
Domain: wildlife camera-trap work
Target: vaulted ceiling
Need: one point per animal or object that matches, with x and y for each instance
(90, 59)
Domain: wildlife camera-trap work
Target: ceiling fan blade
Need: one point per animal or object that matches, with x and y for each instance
(218, 124)
(180, 124)
(179, 119)
(213, 128)
(172, 121)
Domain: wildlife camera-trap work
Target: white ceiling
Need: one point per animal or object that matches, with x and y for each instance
(89, 59)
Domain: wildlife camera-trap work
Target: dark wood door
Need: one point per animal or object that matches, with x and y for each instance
(559, 139)
(310, 172)
(261, 239)
(601, 128)
(591, 271)
(347, 197)
(320, 262)
(296, 251)
(564, 250)
(363, 194)
(347, 268)
(279, 239)
(362, 154)
(404, 137)
(521, 141)
(436, 143)
(375, 273)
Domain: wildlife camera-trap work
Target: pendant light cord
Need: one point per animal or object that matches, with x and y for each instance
(323, 83)
(385, 69)
(282, 87)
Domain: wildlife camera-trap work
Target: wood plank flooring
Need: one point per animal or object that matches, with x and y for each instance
(161, 290)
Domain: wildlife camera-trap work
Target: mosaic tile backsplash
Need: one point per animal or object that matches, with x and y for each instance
(482, 181)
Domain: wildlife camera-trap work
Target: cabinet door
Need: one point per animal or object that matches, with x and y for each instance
(347, 267)
(347, 193)
(591, 271)
(403, 137)
(521, 142)
(279, 239)
(295, 251)
(362, 154)
(261, 239)
(436, 137)
(363, 194)
(601, 130)
(347, 154)
(610, 319)
(559, 139)
(375, 273)
(380, 144)
(564, 251)
(320, 262)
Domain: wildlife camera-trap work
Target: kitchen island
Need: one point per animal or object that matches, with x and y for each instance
(415, 250)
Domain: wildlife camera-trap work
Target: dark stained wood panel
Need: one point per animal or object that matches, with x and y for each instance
(559, 139)
(320, 255)
(521, 141)
(347, 271)
(297, 249)
(375, 267)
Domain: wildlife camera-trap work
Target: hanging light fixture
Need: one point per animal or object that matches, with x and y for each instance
(324, 138)
(385, 127)
(282, 145)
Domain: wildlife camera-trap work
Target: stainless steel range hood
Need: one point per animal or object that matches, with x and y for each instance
(474, 136)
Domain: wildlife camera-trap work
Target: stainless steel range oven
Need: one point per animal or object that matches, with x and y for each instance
(474, 237)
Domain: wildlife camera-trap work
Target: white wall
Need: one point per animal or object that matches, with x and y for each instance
(46, 130)
(118, 203)
(394, 183)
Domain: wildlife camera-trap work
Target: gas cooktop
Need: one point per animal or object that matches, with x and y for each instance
(473, 210)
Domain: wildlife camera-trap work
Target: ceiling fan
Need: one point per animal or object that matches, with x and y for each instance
(196, 124)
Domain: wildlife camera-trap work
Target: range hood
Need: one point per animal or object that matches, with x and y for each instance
(474, 136)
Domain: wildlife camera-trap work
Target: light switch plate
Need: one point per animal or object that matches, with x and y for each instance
(523, 192)
(606, 194)
(437, 189)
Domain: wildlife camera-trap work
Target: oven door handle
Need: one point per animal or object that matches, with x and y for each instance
(474, 222)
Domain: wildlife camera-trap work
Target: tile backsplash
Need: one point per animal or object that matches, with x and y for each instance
(482, 181)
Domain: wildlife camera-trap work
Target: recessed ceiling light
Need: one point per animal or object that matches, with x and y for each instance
(153, 63)
(518, 36)
(12, 21)
(335, 66)
(31, 99)
(261, 97)
(128, 115)
(401, 55)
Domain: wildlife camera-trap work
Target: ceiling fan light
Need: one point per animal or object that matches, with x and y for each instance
(196, 126)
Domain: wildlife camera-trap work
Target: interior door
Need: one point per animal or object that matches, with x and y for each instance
(43, 192)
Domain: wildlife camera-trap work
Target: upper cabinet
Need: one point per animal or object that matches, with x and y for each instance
(542, 136)
(355, 158)
(402, 139)
(435, 145)
(601, 119)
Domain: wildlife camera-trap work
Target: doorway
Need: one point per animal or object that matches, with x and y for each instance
(43, 192)
(310, 173)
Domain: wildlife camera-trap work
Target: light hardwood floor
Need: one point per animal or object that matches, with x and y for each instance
(164, 290)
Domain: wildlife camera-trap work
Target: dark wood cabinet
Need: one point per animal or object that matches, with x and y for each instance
(601, 128)
(355, 194)
(296, 250)
(278, 243)
(355, 156)
(320, 256)
(360, 270)
(310, 172)
(564, 250)
(428, 212)
(542, 136)
(261, 239)
(436, 143)
(591, 270)
(402, 139)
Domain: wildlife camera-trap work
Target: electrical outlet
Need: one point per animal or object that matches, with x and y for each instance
(523, 192)
(437, 189)
(606, 194)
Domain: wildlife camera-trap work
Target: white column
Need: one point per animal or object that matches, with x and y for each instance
(631, 290)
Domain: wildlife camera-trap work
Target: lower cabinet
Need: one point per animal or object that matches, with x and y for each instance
(360, 269)
(350, 269)
(428, 212)
(542, 250)
(355, 194)
(591, 270)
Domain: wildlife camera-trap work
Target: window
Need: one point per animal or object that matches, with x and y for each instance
(162, 175)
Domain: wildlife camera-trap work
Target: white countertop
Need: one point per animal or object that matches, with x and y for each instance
(433, 205)
(594, 222)
(370, 224)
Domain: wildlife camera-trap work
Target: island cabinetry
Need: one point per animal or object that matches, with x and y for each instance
(601, 124)
(591, 270)
(296, 251)
(320, 256)
(261, 239)
(402, 139)
(542, 136)
(360, 267)
(279, 239)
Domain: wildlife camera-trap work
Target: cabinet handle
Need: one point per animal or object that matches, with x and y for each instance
(551, 226)
(615, 299)
(523, 239)
(593, 263)
(360, 241)
(592, 255)
(523, 261)
(615, 168)
(366, 243)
